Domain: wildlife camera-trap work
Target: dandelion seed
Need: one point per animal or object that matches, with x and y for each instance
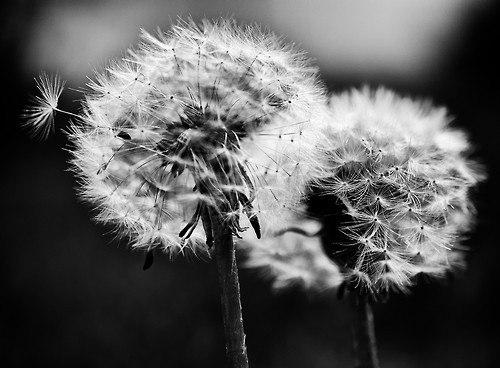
(40, 114)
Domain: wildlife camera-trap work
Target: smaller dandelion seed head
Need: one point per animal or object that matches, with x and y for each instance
(39, 115)
(397, 150)
(390, 191)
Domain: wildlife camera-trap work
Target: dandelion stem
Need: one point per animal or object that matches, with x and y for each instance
(363, 332)
(236, 350)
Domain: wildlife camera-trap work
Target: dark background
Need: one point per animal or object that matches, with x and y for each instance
(73, 296)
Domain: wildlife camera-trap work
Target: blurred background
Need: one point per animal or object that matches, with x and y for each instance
(76, 297)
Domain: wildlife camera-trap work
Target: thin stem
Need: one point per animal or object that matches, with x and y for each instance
(236, 350)
(363, 332)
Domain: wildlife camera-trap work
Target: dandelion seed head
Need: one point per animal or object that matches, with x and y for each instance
(39, 114)
(210, 116)
(408, 179)
(392, 194)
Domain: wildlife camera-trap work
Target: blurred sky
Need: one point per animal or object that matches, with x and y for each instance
(77, 297)
(405, 39)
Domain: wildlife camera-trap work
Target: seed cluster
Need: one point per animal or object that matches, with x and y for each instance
(394, 195)
(169, 134)
(391, 194)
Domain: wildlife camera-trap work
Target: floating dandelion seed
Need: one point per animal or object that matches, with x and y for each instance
(40, 113)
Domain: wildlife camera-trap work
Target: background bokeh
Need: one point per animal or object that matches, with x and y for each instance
(74, 296)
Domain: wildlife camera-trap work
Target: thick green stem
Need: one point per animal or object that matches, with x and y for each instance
(363, 332)
(236, 350)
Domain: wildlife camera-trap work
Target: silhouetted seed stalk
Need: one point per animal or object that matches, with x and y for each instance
(363, 332)
(230, 293)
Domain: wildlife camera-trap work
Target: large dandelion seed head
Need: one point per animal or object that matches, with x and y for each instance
(209, 118)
